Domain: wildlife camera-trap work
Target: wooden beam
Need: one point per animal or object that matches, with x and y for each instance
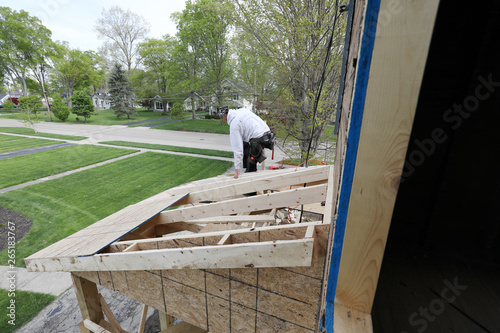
(233, 219)
(88, 299)
(111, 317)
(221, 233)
(166, 321)
(258, 183)
(226, 239)
(351, 320)
(393, 52)
(93, 327)
(287, 253)
(183, 327)
(133, 247)
(82, 328)
(281, 199)
(144, 317)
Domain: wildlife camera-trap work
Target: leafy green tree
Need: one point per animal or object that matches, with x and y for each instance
(122, 96)
(74, 71)
(177, 112)
(82, 104)
(293, 37)
(30, 104)
(24, 43)
(60, 109)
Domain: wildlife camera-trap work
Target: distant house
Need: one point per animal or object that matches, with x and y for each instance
(102, 99)
(235, 95)
(12, 96)
(44, 102)
(159, 104)
(201, 103)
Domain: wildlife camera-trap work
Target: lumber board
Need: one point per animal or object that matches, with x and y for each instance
(199, 236)
(94, 238)
(269, 182)
(115, 325)
(183, 327)
(93, 327)
(250, 204)
(88, 299)
(233, 219)
(261, 254)
(144, 317)
(399, 55)
(351, 320)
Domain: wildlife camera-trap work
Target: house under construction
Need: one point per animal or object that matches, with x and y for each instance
(400, 235)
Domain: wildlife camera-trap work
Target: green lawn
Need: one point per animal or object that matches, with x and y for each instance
(29, 131)
(27, 306)
(197, 125)
(20, 169)
(101, 117)
(16, 143)
(209, 152)
(62, 206)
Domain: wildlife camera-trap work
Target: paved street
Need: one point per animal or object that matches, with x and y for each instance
(98, 133)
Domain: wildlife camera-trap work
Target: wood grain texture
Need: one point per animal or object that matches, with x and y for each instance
(397, 66)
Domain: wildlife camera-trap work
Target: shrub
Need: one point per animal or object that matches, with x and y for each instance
(30, 104)
(212, 116)
(60, 109)
(8, 105)
(82, 105)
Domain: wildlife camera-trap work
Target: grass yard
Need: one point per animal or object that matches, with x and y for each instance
(209, 152)
(12, 143)
(197, 125)
(27, 304)
(101, 117)
(60, 207)
(20, 169)
(29, 131)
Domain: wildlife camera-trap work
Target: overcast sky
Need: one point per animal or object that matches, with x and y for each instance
(73, 20)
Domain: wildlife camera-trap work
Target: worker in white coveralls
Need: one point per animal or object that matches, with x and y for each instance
(249, 136)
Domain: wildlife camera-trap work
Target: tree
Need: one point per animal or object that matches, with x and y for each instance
(122, 29)
(24, 43)
(74, 71)
(293, 37)
(177, 112)
(122, 96)
(28, 106)
(156, 56)
(82, 104)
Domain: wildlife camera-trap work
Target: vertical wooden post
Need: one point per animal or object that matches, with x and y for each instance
(88, 300)
(166, 320)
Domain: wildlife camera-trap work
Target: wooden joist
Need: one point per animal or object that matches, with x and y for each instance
(249, 204)
(93, 327)
(255, 184)
(287, 253)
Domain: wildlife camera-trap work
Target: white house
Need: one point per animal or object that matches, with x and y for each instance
(235, 95)
(102, 99)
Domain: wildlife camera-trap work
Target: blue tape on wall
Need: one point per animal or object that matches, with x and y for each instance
(368, 38)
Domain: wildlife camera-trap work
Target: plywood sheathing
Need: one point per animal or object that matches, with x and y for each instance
(226, 300)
